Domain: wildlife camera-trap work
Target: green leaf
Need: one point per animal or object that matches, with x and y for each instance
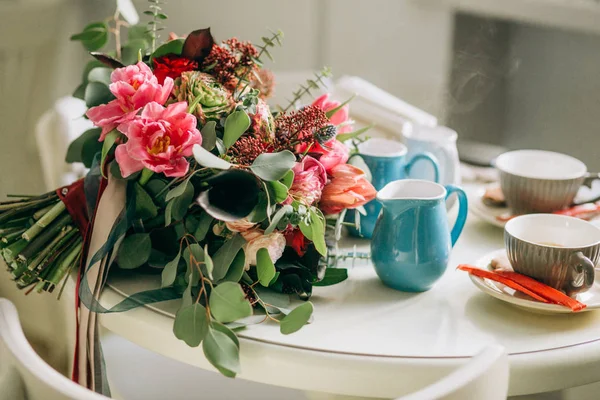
(209, 135)
(208, 263)
(222, 328)
(171, 47)
(75, 150)
(235, 125)
(264, 267)
(332, 276)
(273, 166)
(191, 324)
(197, 253)
(228, 302)
(342, 137)
(169, 273)
(100, 75)
(177, 208)
(93, 37)
(236, 269)
(296, 319)
(278, 191)
(203, 226)
(208, 159)
(96, 94)
(331, 112)
(222, 352)
(139, 31)
(259, 213)
(282, 212)
(179, 189)
(144, 206)
(109, 141)
(134, 251)
(288, 179)
(225, 255)
(131, 50)
(318, 232)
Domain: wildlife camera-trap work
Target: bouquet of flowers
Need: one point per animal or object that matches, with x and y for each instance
(228, 200)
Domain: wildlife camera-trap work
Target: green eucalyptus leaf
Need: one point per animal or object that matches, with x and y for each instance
(100, 75)
(333, 276)
(203, 226)
(109, 140)
(222, 328)
(192, 253)
(140, 31)
(177, 208)
(207, 159)
(228, 302)
(260, 212)
(209, 135)
(179, 189)
(222, 352)
(208, 263)
(236, 269)
(134, 251)
(288, 179)
(169, 273)
(296, 319)
(131, 50)
(170, 47)
(318, 232)
(191, 324)
(273, 166)
(264, 267)
(96, 94)
(224, 257)
(278, 191)
(93, 37)
(236, 124)
(282, 212)
(144, 206)
(75, 150)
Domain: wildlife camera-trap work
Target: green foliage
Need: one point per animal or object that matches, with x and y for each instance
(236, 268)
(93, 37)
(273, 166)
(96, 94)
(311, 84)
(278, 192)
(279, 216)
(333, 276)
(209, 135)
(85, 147)
(177, 207)
(191, 324)
(134, 251)
(314, 230)
(236, 124)
(171, 47)
(296, 319)
(264, 267)
(224, 257)
(154, 26)
(144, 206)
(228, 303)
(169, 273)
(288, 179)
(109, 140)
(222, 351)
(342, 137)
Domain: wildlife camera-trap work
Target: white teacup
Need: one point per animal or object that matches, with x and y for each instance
(540, 181)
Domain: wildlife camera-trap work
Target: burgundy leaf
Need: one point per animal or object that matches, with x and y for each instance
(197, 45)
(107, 60)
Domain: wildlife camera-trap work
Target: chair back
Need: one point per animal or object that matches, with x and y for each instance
(485, 376)
(23, 374)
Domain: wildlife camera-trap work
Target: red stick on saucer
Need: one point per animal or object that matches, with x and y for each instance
(482, 273)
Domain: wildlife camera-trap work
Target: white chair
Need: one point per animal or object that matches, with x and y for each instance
(485, 376)
(23, 374)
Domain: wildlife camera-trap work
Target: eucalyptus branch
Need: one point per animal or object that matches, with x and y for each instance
(155, 11)
(268, 42)
(311, 84)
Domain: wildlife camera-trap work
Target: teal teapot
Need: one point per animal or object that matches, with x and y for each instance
(412, 241)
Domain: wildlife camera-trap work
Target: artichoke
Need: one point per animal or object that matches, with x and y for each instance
(211, 98)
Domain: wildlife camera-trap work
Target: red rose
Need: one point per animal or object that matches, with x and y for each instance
(172, 66)
(296, 240)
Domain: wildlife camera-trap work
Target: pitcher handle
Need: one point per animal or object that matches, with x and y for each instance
(463, 208)
(429, 157)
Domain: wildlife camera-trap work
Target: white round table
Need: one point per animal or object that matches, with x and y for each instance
(368, 340)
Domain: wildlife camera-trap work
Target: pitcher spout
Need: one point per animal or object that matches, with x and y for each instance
(404, 190)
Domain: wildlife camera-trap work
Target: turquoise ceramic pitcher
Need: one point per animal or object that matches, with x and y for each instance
(387, 161)
(411, 242)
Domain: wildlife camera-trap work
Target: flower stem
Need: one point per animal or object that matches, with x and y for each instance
(44, 221)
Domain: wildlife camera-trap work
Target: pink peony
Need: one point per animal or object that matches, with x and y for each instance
(134, 86)
(339, 117)
(348, 189)
(309, 179)
(159, 140)
(241, 225)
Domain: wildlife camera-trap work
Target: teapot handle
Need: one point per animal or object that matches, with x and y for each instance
(463, 208)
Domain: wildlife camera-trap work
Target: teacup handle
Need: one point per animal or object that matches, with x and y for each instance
(425, 156)
(582, 272)
(463, 208)
(590, 177)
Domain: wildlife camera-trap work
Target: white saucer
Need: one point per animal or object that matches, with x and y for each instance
(591, 298)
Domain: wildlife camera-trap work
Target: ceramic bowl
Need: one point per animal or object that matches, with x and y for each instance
(557, 250)
(539, 181)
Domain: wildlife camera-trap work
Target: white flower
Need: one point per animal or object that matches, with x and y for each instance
(273, 242)
(241, 225)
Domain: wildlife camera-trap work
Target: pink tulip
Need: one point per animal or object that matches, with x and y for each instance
(336, 153)
(348, 188)
(159, 139)
(133, 86)
(309, 179)
(339, 117)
